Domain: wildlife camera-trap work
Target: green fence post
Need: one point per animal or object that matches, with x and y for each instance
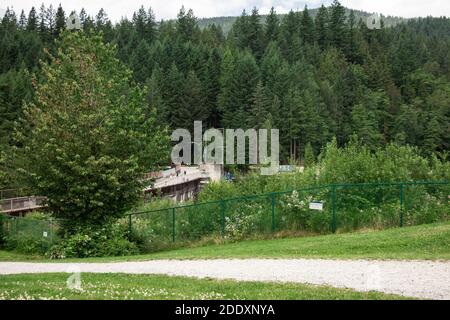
(51, 231)
(273, 198)
(173, 225)
(129, 227)
(222, 217)
(402, 199)
(333, 204)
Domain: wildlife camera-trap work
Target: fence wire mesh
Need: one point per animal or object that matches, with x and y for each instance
(318, 209)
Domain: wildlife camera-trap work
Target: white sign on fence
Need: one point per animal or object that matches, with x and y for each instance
(45, 234)
(316, 205)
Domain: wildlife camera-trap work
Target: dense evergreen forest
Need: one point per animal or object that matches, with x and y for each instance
(314, 77)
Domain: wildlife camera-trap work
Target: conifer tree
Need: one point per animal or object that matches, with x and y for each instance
(140, 62)
(321, 27)
(186, 25)
(307, 27)
(260, 108)
(32, 22)
(212, 85)
(193, 107)
(272, 27)
(255, 34)
(60, 21)
(337, 25)
(22, 21)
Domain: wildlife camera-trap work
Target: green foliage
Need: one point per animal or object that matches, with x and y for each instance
(88, 137)
(26, 244)
(376, 206)
(386, 85)
(89, 131)
(310, 158)
(110, 240)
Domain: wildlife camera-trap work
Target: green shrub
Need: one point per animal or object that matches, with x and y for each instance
(149, 232)
(245, 221)
(26, 244)
(37, 215)
(107, 241)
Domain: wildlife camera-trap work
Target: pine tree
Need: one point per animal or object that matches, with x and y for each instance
(260, 108)
(321, 27)
(32, 23)
(60, 21)
(145, 24)
(247, 77)
(193, 106)
(352, 48)
(272, 26)
(255, 34)
(290, 37)
(227, 99)
(103, 24)
(155, 85)
(15, 88)
(139, 22)
(83, 19)
(186, 25)
(239, 32)
(290, 131)
(50, 18)
(126, 39)
(43, 29)
(337, 25)
(307, 27)
(212, 85)
(432, 135)
(151, 27)
(274, 71)
(275, 114)
(140, 62)
(367, 119)
(173, 97)
(22, 21)
(312, 124)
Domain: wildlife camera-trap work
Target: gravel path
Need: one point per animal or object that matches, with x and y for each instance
(421, 279)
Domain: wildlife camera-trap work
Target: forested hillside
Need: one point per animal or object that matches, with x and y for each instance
(226, 23)
(314, 78)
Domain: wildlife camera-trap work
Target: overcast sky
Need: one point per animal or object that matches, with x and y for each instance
(167, 9)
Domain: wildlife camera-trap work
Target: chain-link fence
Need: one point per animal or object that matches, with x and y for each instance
(318, 209)
(28, 233)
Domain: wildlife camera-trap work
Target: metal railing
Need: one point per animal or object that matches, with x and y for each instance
(13, 193)
(21, 204)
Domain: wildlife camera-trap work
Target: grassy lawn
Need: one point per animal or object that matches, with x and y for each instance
(431, 242)
(117, 286)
